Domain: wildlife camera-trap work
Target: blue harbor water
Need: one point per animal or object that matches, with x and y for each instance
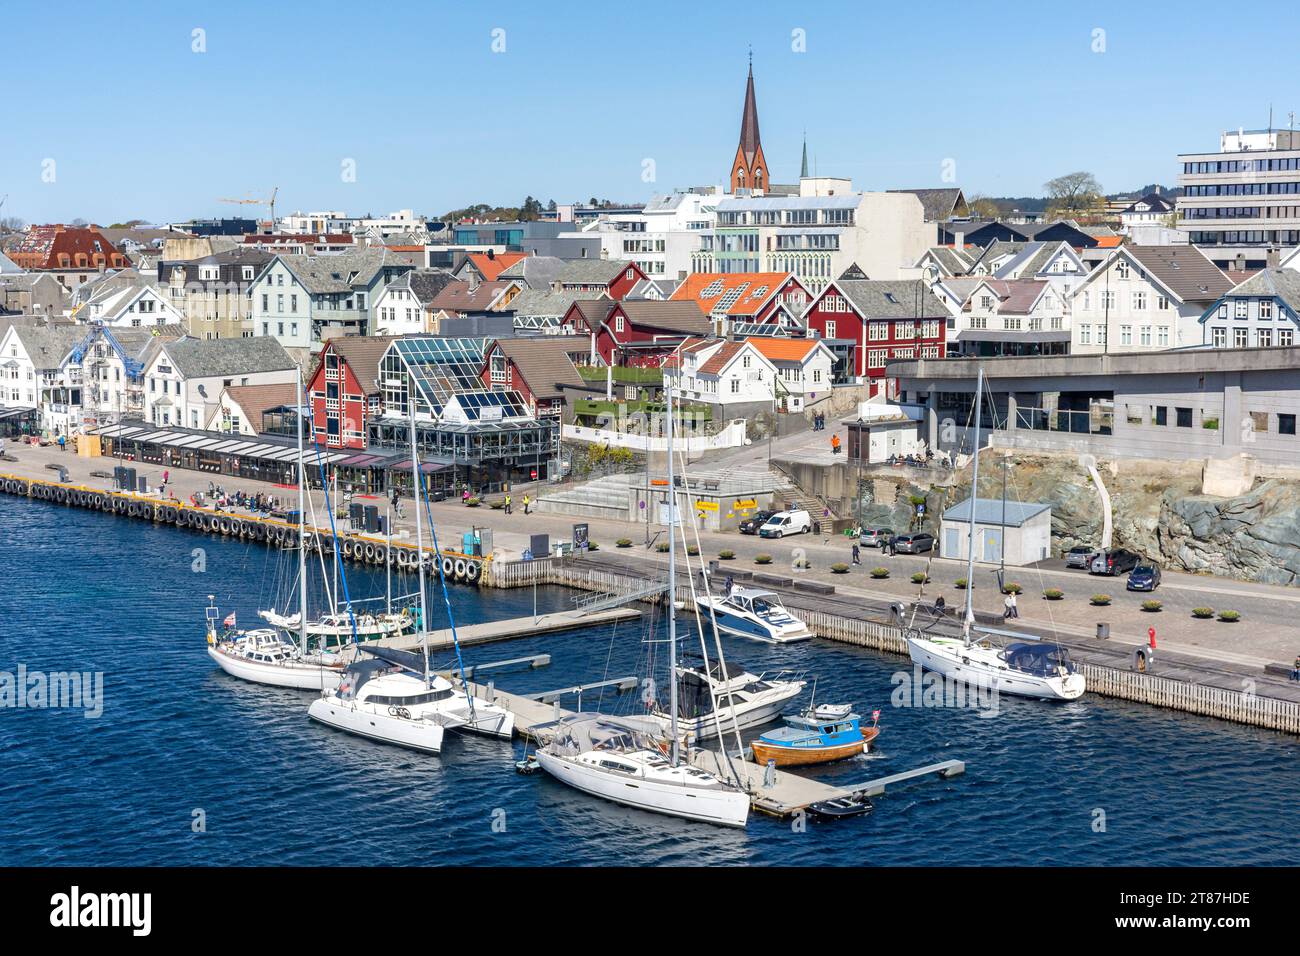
(178, 741)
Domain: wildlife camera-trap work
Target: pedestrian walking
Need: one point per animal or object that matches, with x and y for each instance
(1295, 669)
(893, 545)
(166, 475)
(730, 583)
(1007, 605)
(507, 502)
(940, 605)
(1015, 608)
(62, 443)
(835, 444)
(527, 501)
(464, 496)
(857, 554)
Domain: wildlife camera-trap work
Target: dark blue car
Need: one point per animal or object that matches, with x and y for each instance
(1145, 577)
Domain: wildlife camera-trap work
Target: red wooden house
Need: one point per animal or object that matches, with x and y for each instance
(635, 332)
(540, 368)
(747, 303)
(866, 323)
(344, 389)
(596, 277)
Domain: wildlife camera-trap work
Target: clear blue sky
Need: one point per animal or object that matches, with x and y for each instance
(139, 126)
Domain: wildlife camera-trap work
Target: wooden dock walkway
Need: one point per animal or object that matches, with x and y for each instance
(512, 628)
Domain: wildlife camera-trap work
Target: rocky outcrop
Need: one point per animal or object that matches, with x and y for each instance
(1156, 511)
(1255, 536)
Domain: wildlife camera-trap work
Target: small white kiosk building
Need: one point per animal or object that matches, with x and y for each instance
(1021, 529)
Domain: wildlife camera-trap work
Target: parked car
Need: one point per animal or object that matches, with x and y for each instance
(1145, 577)
(751, 524)
(786, 522)
(875, 537)
(914, 543)
(1116, 561)
(1080, 556)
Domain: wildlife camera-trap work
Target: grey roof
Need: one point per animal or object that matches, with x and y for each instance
(1029, 260)
(536, 272)
(938, 204)
(1282, 283)
(1183, 269)
(48, 345)
(1157, 203)
(587, 271)
(954, 262)
(542, 302)
(891, 298)
(7, 265)
(425, 284)
(339, 272)
(208, 358)
(990, 511)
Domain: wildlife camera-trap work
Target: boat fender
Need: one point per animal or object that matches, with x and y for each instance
(472, 571)
(460, 569)
(369, 552)
(448, 567)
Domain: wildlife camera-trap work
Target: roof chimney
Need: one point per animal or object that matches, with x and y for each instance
(1273, 257)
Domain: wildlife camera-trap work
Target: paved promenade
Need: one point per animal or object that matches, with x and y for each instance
(1266, 634)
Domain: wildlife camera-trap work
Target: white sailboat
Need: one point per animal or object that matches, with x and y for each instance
(756, 613)
(1023, 668)
(393, 696)
(264, 655)
(624, 760)
(715, 695)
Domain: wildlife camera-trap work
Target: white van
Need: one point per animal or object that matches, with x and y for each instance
(786, 522)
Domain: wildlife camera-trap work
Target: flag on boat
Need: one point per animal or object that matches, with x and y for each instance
(229, 621)
(875, 714)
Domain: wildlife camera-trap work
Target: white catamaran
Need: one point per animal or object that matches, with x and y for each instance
(265, 655)
(1024, 668)
(625, 759)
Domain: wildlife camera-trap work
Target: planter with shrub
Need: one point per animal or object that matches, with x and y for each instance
(662, 547)
(880, 573)
(623, 543)
(1100, 600)
(726, 554)
(1011, 587)
(1053, 594)
(840, 568)
(1151, 606)
(1204, 613)
(1230, 617)
(762, 559)
(920, 577)
(960, 584)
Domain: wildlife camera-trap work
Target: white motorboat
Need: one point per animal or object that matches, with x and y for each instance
(626, 759)
(755, 613)
(1023, 668)
(623, 759)
(743, 699)
(264, 656)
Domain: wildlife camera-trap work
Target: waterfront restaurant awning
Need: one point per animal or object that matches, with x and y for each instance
(426, 467)
(242, 455)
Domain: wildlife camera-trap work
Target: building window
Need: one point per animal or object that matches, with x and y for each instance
(1241, 338)
(1160, 414)
(1183, 417)
(1286, 424)
(1242, 309)
(1126, 335)
(1266, 308)
(1219, 337)
(1286, 337)
(1264, 338)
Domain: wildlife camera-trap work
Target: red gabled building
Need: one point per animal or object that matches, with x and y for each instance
(749, 303)
(596, 277)
(866, 323)
(634, 332)
(344, 389)
(540, 368)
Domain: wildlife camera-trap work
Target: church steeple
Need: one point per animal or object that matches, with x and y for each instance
(749, 169)
(803, 168)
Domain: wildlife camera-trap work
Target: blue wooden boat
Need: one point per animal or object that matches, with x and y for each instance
(818, 735)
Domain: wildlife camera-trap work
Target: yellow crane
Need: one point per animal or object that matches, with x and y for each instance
(258, 202)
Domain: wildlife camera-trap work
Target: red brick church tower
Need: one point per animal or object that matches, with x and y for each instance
(749, 168)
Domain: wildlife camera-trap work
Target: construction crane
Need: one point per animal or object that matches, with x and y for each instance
(258, 202)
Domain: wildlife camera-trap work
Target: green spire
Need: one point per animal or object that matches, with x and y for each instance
(803, 170)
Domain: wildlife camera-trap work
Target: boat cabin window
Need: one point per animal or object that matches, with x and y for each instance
(410, 700)
(615, 765)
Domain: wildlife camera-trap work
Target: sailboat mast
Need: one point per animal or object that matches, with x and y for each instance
(974, 488)
(672, 582)
(419, 544)
(388, 560)
(302, 529)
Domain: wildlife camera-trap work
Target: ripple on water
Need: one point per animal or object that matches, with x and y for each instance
(87, 591)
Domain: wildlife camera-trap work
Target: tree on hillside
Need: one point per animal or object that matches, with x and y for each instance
(1073, 196)
(982, 207)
